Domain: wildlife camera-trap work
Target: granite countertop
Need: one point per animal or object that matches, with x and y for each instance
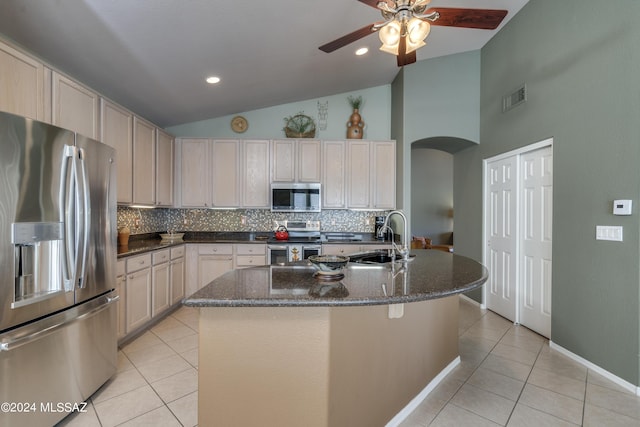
(431, 274)
(150, 242)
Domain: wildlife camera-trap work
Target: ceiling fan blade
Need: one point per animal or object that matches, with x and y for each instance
(484, 19)
(345, 40)
(405, 58)
(372, 3)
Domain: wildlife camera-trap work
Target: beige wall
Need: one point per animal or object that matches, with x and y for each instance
(320, 366)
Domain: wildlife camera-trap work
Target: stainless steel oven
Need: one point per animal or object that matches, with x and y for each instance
(280, 254)
(304, 241)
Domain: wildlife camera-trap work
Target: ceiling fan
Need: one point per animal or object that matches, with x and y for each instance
(408, 22)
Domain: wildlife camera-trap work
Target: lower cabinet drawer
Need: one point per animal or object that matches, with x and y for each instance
(251, 249)
(215, 249)
(250, 260)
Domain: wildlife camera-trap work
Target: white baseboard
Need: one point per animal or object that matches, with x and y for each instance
(416, 401)
(608, 375)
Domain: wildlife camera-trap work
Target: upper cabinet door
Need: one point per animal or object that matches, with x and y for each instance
(117, 131)
(383, 159)
(195, 187)
(283, 160)
(144, 162)
(255, 167)
(164, 168)
(308, 165)
(333, 175)
(74, 107)
(358, 174)
(22, 83)
(225, 170)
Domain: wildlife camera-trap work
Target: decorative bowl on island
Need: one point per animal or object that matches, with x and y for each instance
(329, 264)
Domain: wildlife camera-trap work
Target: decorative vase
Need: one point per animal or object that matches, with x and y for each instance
(355, 126)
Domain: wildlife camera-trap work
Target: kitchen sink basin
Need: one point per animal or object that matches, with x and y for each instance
(375, 258)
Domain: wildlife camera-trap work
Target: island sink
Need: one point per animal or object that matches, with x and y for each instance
(374, 258)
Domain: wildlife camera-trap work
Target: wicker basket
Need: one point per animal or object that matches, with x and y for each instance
(294, 123)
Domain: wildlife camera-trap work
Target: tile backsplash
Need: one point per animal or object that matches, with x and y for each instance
(142, 221)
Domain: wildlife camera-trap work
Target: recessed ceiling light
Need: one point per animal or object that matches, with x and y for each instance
(213, 80)
(362, 51)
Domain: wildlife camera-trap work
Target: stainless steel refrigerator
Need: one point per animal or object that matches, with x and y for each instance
(58, 340)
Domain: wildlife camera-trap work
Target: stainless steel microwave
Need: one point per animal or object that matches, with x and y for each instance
(295, 197)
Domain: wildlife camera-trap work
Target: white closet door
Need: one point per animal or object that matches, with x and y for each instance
(518, 190)
(536, 219)
(500, 228)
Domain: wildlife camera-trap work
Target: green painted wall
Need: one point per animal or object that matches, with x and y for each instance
(268, 122)
(581, 62)
(439, 97)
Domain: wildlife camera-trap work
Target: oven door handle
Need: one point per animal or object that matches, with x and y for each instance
(278, 247)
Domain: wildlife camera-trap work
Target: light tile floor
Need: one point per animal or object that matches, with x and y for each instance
(508, 377)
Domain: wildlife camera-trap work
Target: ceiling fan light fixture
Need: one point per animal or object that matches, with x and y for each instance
(390, 37)
(417, 30)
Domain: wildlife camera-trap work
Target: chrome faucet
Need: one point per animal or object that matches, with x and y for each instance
(404, 251)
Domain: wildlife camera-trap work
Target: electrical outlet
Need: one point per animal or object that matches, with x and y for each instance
(136, 223)
(243, 220)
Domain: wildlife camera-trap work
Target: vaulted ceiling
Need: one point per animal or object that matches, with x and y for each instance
(153, 56)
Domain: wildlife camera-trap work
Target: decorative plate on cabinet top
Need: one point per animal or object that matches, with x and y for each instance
(239, 124)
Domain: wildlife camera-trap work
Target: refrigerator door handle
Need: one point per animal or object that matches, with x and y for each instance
(52, 327)
(84, 205)
(67, 208)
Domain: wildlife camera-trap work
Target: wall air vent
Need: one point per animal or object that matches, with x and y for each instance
(515, 98)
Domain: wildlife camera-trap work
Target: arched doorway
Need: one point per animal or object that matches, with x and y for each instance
(432, 187)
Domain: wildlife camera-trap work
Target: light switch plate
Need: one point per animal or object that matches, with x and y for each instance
(609, 232)
(622, 207)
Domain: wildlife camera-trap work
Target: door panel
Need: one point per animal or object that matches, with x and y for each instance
(501, 295)
(537, 188)
(101, 261)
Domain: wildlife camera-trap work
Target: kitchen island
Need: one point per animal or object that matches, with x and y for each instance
(281, 347)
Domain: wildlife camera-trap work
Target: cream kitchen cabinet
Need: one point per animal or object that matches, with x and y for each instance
(144, 165)
(296, 160)
(161, 282)
(195, 184)
(138, 291)
(250, 255)
(22, 82)
(164, 168)
(116, 130)
(225, 173)
(383, 176)
(74, 106)
(177, 273)
(334, 175)
(371, 174)
(255, 174)
(213, 261)
(121, 290)
(358, 174)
